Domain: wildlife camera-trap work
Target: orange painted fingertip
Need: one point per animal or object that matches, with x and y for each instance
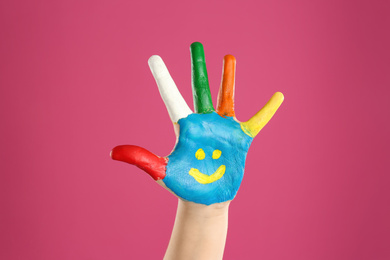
(225, 105)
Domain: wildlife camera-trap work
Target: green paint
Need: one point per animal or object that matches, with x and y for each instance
(200, 80)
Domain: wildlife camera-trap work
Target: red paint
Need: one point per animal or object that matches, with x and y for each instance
(225, 104)
(154, 165)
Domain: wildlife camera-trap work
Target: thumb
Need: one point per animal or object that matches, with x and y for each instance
(154, 165)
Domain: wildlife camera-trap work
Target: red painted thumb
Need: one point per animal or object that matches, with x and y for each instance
(154, 165)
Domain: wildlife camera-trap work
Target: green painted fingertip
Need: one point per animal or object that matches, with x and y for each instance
(200, 81)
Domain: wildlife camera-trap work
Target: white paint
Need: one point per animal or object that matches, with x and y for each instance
(174, 102)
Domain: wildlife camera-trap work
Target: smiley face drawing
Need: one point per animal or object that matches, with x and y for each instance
(204, 178)
(207, 163)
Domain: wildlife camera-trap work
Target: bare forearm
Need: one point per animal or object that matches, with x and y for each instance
(199, 231)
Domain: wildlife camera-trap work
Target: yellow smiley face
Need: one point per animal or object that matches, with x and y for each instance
(204, 178)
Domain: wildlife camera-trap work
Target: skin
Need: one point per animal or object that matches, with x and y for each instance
(207, 165)
(199, 231)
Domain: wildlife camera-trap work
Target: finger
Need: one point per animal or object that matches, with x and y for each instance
(253, 126)
(225, 104)
(200, 81)
(174, 102)
(154, 165)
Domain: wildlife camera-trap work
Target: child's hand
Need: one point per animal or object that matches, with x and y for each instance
(207, 163)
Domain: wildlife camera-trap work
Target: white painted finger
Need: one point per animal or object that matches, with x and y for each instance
(174, 102)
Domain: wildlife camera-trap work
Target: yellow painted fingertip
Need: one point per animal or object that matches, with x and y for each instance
(200, 155)
(253, 126)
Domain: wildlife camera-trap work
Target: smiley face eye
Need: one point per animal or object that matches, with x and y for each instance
(216, 154)
(200, 155)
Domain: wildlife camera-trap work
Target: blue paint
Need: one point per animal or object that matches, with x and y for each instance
(209, 132)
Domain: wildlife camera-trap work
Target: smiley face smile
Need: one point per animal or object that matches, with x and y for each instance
(204, 178)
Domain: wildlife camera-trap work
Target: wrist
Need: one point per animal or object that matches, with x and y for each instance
(202, 211)
(199, 231)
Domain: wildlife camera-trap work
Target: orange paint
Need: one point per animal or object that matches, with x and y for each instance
(225, 105)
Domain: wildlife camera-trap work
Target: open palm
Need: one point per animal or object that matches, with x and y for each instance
(207, 163)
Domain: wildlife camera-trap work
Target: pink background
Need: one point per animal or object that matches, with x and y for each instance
(75, 83)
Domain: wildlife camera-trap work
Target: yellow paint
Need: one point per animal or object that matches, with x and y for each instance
(200, 155)
(206, 179)
(216, 154)
(253, 126)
